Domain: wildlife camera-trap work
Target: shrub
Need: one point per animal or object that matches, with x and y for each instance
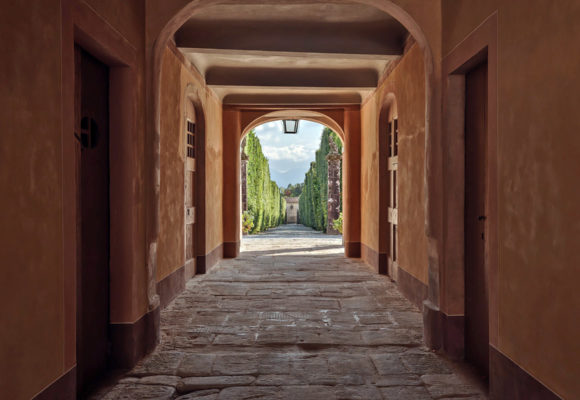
(265, 202)
(337, 223)
(313, 202)
(247, 222)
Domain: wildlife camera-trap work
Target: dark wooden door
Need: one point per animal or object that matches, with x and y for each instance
(92, 132)
(476, 279)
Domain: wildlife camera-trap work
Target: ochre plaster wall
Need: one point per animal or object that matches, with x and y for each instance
(407, 83)
(537, 153)
(212, 108)
(212, 111)
(126, 16)
(31, 295)
(176, 75)
(170, 251)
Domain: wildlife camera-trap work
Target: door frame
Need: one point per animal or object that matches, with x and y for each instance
(479, 46)
(475, 221)
(80, 55)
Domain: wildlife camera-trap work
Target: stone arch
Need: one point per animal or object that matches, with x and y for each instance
(307, 115)
(323, 118)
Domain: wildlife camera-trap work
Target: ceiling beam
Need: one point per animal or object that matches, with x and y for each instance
(287, 54)
(345, 39)
(361, 78)
(288, 99)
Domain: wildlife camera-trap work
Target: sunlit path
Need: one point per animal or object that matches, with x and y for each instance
(291, 318)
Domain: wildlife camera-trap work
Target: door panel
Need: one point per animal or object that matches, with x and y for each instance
(476, 278)
(92, 132)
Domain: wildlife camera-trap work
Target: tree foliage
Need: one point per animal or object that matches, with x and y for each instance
(266, 204)
(247, 222)
(293, 189)
(313, 203)
(337, 223)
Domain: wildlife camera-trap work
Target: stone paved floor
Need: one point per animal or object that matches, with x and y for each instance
(291, 318)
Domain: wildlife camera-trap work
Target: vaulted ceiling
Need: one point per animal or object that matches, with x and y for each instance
(314, 53)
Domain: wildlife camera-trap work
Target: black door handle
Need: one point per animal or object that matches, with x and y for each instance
(481, 218)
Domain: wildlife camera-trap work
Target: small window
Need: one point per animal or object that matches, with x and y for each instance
(190, 139)
(394, 243)
(395, 189)
(190, 126)
(396, 123)
(389, 135)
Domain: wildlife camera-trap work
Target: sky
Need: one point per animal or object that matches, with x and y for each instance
(289, 155)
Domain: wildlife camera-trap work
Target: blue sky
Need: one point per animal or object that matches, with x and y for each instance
(289, 155)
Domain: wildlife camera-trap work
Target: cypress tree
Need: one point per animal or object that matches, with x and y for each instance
(314, 198)
(265, 203)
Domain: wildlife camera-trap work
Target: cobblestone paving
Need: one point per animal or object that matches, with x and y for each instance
(291, 318)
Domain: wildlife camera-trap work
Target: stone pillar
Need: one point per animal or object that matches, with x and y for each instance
(244, 177)
(333, 158)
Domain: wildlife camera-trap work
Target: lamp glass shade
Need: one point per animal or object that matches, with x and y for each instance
(290, 126)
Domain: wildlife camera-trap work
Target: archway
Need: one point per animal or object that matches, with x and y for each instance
(336, 119)
(324, 118)
(305, 165)
(162, 29)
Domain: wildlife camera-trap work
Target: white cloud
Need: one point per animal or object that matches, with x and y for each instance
(293, 152)
(289, 155)
(265, 137)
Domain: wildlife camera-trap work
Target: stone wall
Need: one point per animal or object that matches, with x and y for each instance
(292, 210)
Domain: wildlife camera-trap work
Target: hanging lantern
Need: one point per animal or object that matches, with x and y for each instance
(290, 126)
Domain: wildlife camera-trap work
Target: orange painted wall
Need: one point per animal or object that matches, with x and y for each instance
(212, 108)
(31, 299)
(407, 83)
(537, 154)
(231, 129)
(125, 16)
(177, 74)
(170, 251)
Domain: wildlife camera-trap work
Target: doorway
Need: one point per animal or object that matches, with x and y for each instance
(190, 128)
(476, 275)
(393, 162)
(93, 224)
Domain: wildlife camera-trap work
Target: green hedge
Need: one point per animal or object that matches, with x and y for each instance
(265, 203)
(314, 198)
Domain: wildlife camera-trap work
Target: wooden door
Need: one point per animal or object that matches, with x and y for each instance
(92, 133)
(476, 277)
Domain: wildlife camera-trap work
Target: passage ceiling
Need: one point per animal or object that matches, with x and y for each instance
(313, 53)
